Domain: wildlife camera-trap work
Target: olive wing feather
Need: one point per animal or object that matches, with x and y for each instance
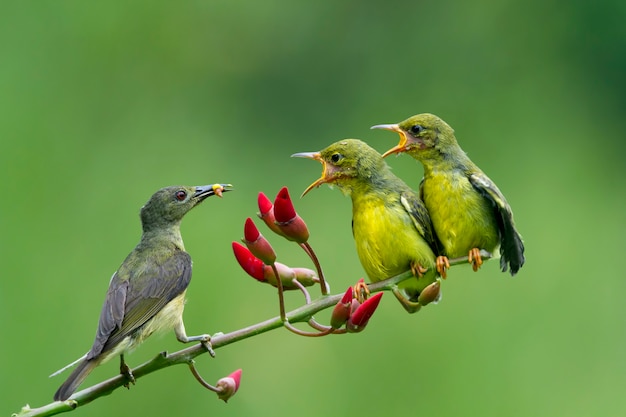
(511, 244)
(133, 301)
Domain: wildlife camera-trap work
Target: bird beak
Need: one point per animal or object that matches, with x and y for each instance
(205, 191)
(326, 169)
(401, 146)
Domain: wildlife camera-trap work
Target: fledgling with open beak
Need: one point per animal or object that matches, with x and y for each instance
(390, 225)
(467, 209)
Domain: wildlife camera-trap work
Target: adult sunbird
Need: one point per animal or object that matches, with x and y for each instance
(147, 293)
(390, 225)
(467, 209)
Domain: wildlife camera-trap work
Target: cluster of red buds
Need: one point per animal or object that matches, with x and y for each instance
(262, 271)
(281, 217)
(352, 312)
(257, 257)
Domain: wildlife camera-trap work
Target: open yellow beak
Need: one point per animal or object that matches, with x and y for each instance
(318, 157)
(401, 146)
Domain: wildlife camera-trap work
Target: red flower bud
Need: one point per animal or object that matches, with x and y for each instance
(251, 264)
(265, 205)
(289, 222)
(342, 310)
(257, 244)
(250, 232)
(229, 385)
(358, 320)
(266, 213)
(284, 209)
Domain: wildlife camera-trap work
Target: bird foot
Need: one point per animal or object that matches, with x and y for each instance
(207, 345)
(127, 373)
(418, 270)
(475, 259)
(410, 306)
(361, 291)
(443, 264)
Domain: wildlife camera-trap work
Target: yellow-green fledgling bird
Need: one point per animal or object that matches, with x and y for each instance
(390, 225)
(147, 293)
(467, 209)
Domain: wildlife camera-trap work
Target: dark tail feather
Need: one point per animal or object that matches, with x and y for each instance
(74, 380)
(511, 249)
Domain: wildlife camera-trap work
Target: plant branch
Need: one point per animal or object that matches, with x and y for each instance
(186, 356)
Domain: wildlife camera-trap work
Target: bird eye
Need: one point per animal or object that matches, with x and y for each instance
(416, 129)
(336, 157)
(181, 195)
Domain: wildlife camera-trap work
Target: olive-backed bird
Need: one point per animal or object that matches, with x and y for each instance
(467, 209)
(147, 293)
(390, 225)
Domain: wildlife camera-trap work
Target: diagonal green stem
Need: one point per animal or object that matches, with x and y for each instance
(185, 356)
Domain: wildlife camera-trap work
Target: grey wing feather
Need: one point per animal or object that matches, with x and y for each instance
(111, 316)
(511, 245)
(127, 308)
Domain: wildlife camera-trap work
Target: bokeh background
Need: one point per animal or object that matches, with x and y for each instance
(102, 103)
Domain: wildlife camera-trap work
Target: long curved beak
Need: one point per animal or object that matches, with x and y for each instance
(401, 146)
(318, 157)
(205, 191)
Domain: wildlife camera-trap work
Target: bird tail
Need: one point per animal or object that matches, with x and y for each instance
(74, 380)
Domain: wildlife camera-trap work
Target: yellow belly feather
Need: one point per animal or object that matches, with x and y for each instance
(463, 219)
(386, 240)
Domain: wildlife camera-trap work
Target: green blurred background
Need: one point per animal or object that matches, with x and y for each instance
(103, 103)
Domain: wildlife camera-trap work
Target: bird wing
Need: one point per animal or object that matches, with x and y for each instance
(420, 217)
(511, 245)
(127, 307)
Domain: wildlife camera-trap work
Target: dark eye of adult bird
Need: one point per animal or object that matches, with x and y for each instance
(336, 157)
(181, 195)
(417, 129)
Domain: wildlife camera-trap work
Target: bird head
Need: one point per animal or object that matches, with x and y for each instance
(344, 162)
(170, 204)
(422, 135)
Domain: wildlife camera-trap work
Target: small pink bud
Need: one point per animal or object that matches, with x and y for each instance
(229, 385)
(359, 318)
(342, 310)
(287, 275)
(258, 245)
(306, 276)
(251, 264)
(354, 305)
(289, 222)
